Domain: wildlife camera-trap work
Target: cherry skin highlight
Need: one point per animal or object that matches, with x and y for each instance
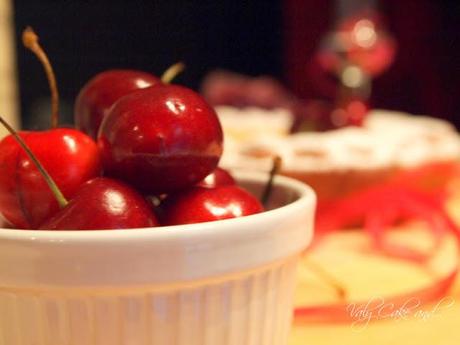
(160, 139)
(69, 156)
(219, 177)
(103, 204)
(102, 91)
(201, 204)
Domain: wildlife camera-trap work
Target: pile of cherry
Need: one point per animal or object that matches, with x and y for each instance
(145, 153)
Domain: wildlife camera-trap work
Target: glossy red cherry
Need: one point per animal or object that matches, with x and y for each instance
(201, 204)
(70, 157)
(160, 139)
(103, 204)
(219, 177)
(102, 91)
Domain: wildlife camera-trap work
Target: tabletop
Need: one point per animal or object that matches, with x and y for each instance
(366, 275)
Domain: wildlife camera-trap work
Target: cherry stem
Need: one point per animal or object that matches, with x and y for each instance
(172, 72)
(326, 277)
(269, 186)
(62, 201)
(30, 41)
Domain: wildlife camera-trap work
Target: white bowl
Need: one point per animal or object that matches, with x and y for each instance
(225, 282)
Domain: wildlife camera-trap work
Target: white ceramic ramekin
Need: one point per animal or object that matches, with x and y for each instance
(225, 282)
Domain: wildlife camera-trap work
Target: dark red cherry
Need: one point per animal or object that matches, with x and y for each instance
(102, 91)
(103, 204)
(201, 204)
(219, 177)
(69, 156)
(160, 139)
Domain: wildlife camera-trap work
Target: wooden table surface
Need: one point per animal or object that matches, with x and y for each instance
(368, 276)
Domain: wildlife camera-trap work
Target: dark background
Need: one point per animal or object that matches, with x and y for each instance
(271, 37)
(86, 37)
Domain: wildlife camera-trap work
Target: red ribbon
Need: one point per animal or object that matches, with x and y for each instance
(341, 313)
(377, 209)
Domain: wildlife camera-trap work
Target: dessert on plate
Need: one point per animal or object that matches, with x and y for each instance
(340, 161)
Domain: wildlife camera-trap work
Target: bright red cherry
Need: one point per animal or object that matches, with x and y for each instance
(201, 204)
(160, 139)
(69, 156)
(102, 91)
(219, 177)
(103, 204)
